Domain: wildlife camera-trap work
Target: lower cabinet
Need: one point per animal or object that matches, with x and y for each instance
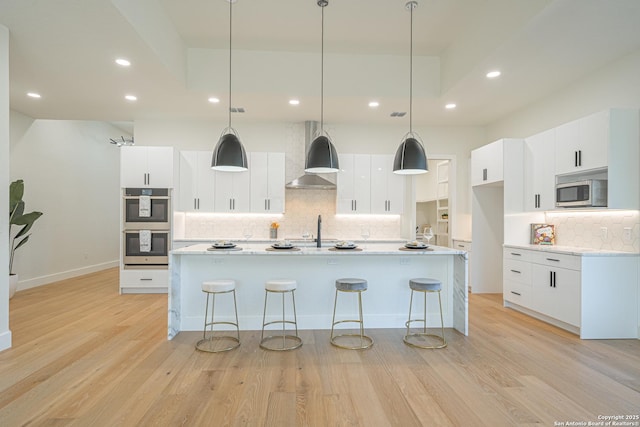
(594, 296)
(144, 281)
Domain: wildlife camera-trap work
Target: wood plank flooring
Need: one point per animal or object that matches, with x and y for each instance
(85, 356)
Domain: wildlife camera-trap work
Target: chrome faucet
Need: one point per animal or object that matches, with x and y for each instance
(319, 238)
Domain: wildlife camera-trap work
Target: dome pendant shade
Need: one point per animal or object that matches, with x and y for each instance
(410, 158)
(229, 155)
(321, 157)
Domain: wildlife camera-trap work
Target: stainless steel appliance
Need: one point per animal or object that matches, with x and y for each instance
(158, 253)
(581, 194)
(159, 214)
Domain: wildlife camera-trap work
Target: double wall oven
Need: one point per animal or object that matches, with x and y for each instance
(146, 227)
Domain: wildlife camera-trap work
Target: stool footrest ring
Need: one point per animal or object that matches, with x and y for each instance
(365, 341)
(278, 342)
(209, 344)
(441, 340)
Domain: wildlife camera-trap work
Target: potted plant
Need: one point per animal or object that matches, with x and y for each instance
(24, 221)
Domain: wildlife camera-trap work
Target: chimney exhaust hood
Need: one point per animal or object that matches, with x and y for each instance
(310, 181)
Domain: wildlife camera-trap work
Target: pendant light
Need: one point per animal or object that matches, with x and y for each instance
(322, 156)
(410, 158)
(229, 154)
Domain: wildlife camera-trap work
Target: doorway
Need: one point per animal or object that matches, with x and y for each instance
(434, 201)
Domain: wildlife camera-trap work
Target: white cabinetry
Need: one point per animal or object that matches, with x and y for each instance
(583, 144)
(267, 182)
(539, 171)
(487, 164)
(231, 192)
(196, 186)
(146, 167)
(387, 188)
(592, 295)
(142, 281)
(354, 184)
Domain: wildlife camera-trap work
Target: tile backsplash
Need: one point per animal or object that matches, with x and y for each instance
(597, 230)
(301, 213)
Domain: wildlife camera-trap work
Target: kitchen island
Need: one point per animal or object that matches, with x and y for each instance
(385, 266)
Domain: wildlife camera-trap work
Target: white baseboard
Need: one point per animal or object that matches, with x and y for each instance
(56, 277)
(5, 340)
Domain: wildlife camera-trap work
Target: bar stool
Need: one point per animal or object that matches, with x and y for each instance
(284, 341)
(425, 285)
(217, 344)
(358, 286)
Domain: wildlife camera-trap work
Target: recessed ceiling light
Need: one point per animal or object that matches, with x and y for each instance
(131, 97)
(493, 74)
(123, 62)
(374, 104)
(294, 101)
(33, 95)
(214, 100)
(450, 106)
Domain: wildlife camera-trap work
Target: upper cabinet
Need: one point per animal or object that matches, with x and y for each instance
(486, 164)
(196, 187)
(387, 188)
(354, 184)
(583, 144)
(146, 167)
(539, 171)
(231, 192)
(267, 182)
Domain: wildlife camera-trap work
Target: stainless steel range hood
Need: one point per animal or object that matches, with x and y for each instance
(310, 181)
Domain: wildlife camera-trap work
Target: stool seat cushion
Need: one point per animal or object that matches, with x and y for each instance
(425, 284)
(281, 285)
(351, 284)
(220, 285)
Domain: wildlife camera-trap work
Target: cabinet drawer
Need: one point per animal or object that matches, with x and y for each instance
(517, 271)
(144, 278)
(517, 254)
(517, 293)
(572, 262)
(465, 246)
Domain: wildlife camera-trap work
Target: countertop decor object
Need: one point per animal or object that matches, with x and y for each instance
(322, 156)
(543, 234)
(411, 158)
(229, 154)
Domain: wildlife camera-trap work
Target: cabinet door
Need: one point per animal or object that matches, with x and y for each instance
(133, 166)
(188, 184)
(556, 293)
(583, 144)
(231, 191)
(267, 182)
(540, 171)
(387, 188)
(205, 182)
(160, 167)
(487, 164)
(354, 184)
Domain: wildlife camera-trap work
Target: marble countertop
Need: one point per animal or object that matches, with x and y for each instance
(571, 250)
(368, 248)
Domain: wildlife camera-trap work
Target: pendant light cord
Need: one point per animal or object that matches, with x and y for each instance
(230, 26)
(322, 5)
(411, 7)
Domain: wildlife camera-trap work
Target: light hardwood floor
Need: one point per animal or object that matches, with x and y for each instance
(84, 355)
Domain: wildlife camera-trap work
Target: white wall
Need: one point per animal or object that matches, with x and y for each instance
(5, 333)
(71, 174)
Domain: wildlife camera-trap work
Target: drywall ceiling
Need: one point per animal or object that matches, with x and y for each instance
(65, 50)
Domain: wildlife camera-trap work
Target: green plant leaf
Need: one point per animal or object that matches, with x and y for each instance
(27, 219)
(16, 191)
(16, 212)
(22, 242)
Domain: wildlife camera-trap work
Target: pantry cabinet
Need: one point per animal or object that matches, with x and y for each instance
(146, 167)
(196, 186)
(354, 184)
(583, 144)
(539, 171)
(387, 188)
(487, 164)
(267, 182)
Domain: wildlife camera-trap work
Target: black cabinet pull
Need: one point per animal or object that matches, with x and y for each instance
(575, 158)
(551, 279)
(515, 293)
(554, 279)
(515, 254)
(553, 259)
(516, 271)
(484, 174)
(144, 279)
(579, 157)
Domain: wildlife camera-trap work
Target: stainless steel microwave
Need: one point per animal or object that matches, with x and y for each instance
(582, 194)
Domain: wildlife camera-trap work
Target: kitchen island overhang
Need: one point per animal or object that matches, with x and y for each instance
(386, 268)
